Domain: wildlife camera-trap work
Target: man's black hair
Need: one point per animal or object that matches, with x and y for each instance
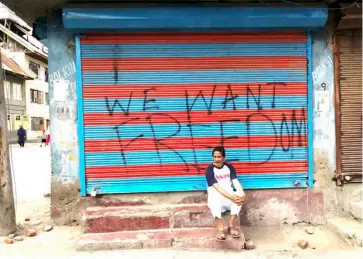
(219, 149)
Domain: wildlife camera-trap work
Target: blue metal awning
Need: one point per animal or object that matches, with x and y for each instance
(193, 18)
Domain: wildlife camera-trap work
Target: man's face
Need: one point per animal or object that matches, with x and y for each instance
(218, 159)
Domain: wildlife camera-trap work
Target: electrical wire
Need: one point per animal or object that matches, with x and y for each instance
(355, 3)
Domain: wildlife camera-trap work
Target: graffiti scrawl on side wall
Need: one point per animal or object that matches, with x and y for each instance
(323, 81)
(63, 108)
(65, 72)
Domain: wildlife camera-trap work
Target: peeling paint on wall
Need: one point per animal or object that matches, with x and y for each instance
(323, 81)
(63, 104)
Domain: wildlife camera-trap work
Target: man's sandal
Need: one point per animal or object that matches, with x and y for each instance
(220, 235)
(235, 232)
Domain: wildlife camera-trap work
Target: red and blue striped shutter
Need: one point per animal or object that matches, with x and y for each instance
(154, 106)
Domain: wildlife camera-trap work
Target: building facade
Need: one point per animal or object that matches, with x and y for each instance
(31, 56)
(136, 105)
(37, 96)
(14, 87)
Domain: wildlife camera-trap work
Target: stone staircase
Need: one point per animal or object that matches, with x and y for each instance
(349, 229)
(152, 226)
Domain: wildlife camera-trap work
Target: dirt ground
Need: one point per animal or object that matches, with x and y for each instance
(270, 242)
(33, 180)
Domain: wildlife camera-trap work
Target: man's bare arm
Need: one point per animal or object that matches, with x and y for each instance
(239, 188)
(237, 185)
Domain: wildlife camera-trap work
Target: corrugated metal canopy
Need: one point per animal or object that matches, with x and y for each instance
(192, 17)
(11, 66)
(30, 10)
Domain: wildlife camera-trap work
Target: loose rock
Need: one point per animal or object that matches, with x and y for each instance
(27, 219)
(8, 240)
(309, 230)
(47, 195)
(20, 226)
(37, 222)
(18, 239)
(11, 236)
(249, 245)
(48, 228)
(30, 233)
(303, 244)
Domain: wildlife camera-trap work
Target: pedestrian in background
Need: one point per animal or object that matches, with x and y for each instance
(44, 139)
(48, 137)
(21, 136)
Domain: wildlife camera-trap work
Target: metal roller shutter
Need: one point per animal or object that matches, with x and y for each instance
(155, 104)
(350, 80)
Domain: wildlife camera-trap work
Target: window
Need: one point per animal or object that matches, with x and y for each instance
(41, 97)
(46, 74)
(34, 67)
(36, 96)
(8, 117)
(17, 92)
(46, 98)
(7, 90)
(37, 123)
(17, 117)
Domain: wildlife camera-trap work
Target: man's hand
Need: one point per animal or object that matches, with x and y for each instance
(239, 199)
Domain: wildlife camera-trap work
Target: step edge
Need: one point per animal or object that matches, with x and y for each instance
(352, 237)
(148, 230)
(95, 208)
(136, 243)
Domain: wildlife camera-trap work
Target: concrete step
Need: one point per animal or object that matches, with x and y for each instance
(186, 238)
(356, 210)
(146, 217)
(349, 230)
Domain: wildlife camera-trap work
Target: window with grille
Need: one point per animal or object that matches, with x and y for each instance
(34, 67)
(37, 123)
(36, 96)
(46, 76)
(7, 90)
(17, 92)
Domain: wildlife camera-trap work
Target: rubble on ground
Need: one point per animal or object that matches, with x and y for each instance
(309, 230)
(30, 233)
(48, 228)
(303, 244)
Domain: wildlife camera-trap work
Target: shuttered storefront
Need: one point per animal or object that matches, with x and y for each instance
(350, 82)
(154, 105)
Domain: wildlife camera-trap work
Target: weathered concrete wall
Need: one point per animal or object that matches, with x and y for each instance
(323, 83)
(263, 207)
(63, 116)
(324, 119)
(336, 199)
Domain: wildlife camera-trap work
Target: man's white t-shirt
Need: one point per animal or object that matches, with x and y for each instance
(223, 176)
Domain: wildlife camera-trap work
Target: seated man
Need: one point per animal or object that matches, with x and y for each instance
(221, 196)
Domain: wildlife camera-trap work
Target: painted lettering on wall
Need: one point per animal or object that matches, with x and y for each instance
(64, 112)
(256, 111)
(64, 72)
